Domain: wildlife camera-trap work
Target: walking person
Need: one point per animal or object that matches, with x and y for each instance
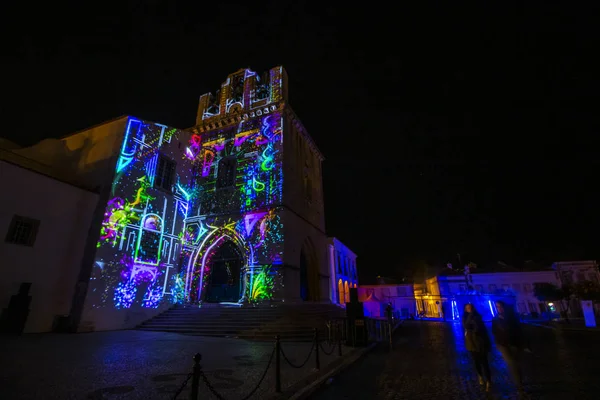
(477, 342)
(508, 336)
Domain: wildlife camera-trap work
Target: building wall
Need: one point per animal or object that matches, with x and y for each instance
(243, 122)
(445, 296)
(375, 298)
(343, 271)
(136, 263)
(304, 204)
(52, 264)
(577, 271)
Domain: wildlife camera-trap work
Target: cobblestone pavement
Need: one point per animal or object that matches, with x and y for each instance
(141, 365)
(429, 361)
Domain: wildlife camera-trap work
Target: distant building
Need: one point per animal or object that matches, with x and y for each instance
(445, 295)
(375, 299)
(577, 271)
(342, 270)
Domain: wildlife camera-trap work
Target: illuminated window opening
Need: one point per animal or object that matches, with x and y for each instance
(346, 292)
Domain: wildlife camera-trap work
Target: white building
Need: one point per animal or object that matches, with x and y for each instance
(375, 299)
(44, 222)
(342, 271)
(577, 271)
(444, 295)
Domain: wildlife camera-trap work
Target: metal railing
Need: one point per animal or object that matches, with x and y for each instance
(197, 374)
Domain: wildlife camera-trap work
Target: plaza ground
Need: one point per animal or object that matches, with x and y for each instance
(429, 361)
(143, 365)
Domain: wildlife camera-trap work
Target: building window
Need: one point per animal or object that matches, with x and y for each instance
(516, 287)
(479, 288)
(533, 308)
(339, 263)
(527, 287)
(580, 277)
(165, 171)
(22, 231)
(593, 277)
(149, 247)
(308, 189)
(227, 172)
(505, 288)
(492, 288)
(461, 288)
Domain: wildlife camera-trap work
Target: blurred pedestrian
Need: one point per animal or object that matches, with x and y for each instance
(510, 341)
(477, 342)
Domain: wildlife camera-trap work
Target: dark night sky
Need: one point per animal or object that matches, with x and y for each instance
(446, 129)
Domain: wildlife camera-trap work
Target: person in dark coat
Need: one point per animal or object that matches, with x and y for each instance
(477, 342)
(509, 339)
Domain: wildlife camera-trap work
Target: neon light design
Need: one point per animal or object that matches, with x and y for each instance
(157, 247)
(251, 219)
(455, 314)
(119, 214)
(209, 157)
(262, 285)
(256, 185)
(491, 307)
(128, 150)
(268, 163)
(195, 146)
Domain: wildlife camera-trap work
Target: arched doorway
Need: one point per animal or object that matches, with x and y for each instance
(341, 296)
(309, 273)
(224, 282)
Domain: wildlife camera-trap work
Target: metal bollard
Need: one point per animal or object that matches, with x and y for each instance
(277, 364)
(196, 377)
(318, 362)
(340, 342)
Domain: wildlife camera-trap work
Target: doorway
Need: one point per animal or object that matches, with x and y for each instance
(309, 273)
(304, 290)
(224, 284)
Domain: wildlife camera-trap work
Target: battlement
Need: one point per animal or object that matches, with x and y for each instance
(243, 95)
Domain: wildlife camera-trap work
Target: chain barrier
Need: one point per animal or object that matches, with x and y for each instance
(260, 381)
(302, 364)
(330, 352)
(183, 385)
(197, 373)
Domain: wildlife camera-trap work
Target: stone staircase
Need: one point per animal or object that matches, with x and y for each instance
(293, 322)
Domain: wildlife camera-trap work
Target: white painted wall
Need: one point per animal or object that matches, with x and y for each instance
(376, 297)
(53, 263)
(343, 268)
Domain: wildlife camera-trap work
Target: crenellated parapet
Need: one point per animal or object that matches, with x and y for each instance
(243, 95)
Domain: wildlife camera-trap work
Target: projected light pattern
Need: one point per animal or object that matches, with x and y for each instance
(140, 237)
(179, 200)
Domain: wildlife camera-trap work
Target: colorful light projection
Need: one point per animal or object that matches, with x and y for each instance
(120, 213)
(157, 245)
(254, 225)
(261, 284)
(139, 246)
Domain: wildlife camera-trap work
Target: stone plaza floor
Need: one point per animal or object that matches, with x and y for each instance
(429, 361)
(142, 365)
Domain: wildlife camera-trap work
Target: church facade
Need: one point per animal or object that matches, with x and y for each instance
(229, 211)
